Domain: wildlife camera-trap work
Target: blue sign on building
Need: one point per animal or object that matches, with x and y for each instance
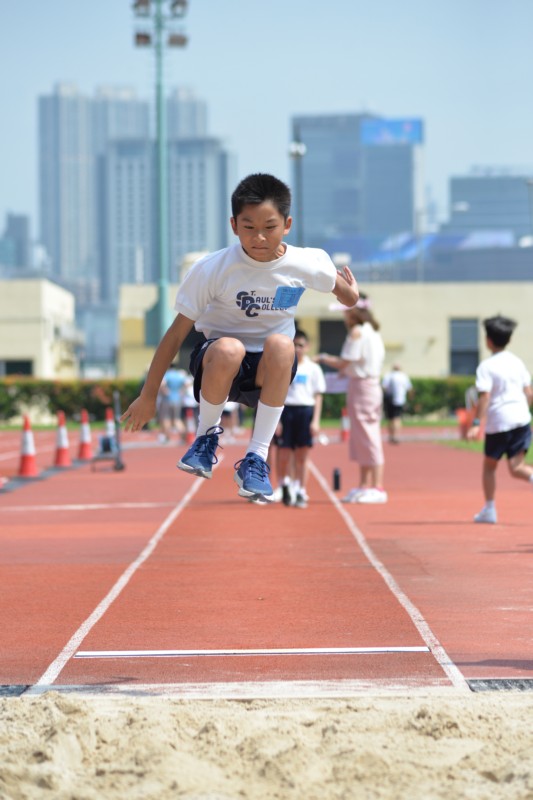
(391, 131)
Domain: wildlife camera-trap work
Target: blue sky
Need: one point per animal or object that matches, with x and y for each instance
(464, 66)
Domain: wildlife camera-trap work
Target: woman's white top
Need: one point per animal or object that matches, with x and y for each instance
(365, 353)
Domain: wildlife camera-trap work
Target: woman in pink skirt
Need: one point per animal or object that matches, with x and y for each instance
(361, 360)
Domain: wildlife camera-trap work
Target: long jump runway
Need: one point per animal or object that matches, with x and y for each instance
(150, 579)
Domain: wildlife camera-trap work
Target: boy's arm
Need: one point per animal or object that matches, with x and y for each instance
(346, 290)
(482, 405)
(528, 391)
(317, 413)
(142, 410)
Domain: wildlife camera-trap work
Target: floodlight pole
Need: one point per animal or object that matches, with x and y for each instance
(161, 23)
(163, 311)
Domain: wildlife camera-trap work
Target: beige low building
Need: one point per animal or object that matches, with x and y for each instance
(431, 329)
(38, 335)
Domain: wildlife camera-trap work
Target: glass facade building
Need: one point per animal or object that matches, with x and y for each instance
(354, 175)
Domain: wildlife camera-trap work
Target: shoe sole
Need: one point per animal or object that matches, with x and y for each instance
(194, 470)
(485, 521)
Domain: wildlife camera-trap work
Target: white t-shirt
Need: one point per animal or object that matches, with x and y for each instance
(366, 353)
(308, 382)
(397, 384)
(227, 293)
(504, 376)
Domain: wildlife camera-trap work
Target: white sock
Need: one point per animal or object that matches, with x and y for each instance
(266, 421)
(489, 504)
(209, 415)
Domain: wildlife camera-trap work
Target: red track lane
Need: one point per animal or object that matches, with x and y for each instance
(228, 574)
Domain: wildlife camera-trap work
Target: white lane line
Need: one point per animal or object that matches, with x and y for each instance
(16, 453)
(420, 623)
(281, 651)
(85, 507)
(77, 638)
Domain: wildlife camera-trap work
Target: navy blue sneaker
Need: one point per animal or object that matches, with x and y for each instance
(200, 457)
(252, 477)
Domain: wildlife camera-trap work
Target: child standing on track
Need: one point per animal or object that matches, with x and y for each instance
(505, 394)
(300, 421)
(243, 299)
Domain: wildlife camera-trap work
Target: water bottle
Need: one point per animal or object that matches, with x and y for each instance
(336, 479)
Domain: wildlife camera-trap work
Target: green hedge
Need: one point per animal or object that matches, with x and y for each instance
(431, 395)
(69, 396)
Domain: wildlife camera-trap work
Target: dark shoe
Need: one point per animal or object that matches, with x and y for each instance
(252, 477)
(200, 457)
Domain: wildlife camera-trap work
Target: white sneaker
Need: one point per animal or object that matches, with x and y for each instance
(372, 496)
(352, 495)
(277, 495)
(487, 514)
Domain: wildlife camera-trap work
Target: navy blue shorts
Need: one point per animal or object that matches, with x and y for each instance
(243, 389)
(296, 424)
(508, 443)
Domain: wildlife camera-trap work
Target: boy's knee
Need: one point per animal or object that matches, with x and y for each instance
(279, 345)
(225, 350)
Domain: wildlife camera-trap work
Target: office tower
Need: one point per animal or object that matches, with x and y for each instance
(354, 175)
(492, 199)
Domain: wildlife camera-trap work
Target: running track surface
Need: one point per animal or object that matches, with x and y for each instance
(190, 586)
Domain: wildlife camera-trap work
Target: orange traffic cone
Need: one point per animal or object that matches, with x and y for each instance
(28, 463)
(110, 427)
(345, 425)
(85, 452)
(190, 426)
(62, 458)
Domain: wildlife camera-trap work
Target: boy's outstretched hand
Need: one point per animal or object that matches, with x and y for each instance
(139, 413)
(346, 290)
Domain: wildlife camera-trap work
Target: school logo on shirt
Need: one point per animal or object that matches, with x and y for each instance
(285, 297)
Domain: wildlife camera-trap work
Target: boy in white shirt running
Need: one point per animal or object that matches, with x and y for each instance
(300, 422)
(243, 299)
(505, 394)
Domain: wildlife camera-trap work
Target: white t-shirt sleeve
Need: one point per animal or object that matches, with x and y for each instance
(323, 272)
(195, 292)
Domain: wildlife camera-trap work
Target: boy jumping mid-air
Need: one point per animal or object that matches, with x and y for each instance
(505, 394)
(243, 299)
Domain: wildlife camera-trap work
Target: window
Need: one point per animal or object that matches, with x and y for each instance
(16, 368)
(464, 346)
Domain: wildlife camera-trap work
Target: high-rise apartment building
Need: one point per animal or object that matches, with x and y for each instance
(67, 189)
(354, 175)
(97, 187)
(201, 177)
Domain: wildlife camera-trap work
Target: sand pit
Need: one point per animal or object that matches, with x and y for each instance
(73, 747)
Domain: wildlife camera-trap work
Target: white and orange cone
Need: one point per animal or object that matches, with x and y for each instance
(85, 452)
(110, 427)
(345, 425)
(190, 426)
(28, 462)
(62, 458)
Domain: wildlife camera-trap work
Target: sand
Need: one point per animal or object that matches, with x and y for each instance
(66, 746)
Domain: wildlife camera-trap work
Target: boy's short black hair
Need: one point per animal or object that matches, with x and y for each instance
(499, 330)
(258, 188)
(300, 334)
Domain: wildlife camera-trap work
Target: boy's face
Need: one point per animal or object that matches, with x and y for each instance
(261, 229)
(301, 346)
